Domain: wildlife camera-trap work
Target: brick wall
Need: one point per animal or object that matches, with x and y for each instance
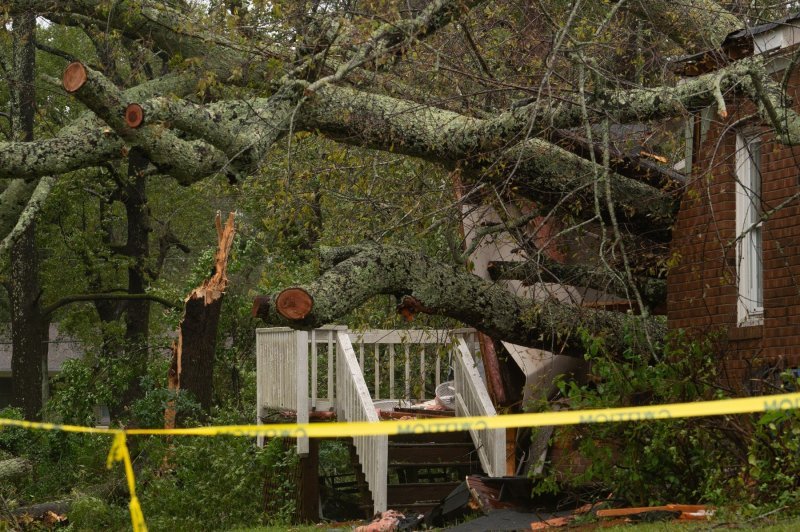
(702, 284)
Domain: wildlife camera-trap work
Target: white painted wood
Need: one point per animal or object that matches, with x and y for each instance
(407, 389)
(283, 380)
(355, 404)
(301, 378)
(422, 372)
(331, 369)
(472, 399)
(282, 375)
(400, 336)
(391, 371)
(377, 367)
(314, 369)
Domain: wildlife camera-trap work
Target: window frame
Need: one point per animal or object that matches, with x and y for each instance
(749, 231)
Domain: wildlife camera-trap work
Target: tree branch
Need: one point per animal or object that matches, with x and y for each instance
(448, 291)
(694, 24)
(75, 298)
(544, 270)
(188, 161)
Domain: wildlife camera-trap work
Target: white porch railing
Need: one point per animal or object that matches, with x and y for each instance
(355, 404)
(472, 399)
(282, 375)
(399, 364)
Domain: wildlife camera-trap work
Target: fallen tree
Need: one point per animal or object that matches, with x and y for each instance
(423, 285)
(224, 96)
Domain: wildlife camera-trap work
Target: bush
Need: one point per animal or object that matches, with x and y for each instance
(706, 459)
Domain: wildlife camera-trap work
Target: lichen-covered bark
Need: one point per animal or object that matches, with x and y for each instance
(165, 24)
(243, 130)
(543, 270)
(541, 170)
(185, 160)
(35, 202)
(84, 143)
(694, 24)
(450, 291)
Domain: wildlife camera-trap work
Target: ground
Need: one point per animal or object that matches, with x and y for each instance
(767, 524)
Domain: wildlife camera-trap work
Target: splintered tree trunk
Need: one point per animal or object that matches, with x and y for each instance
(193, 354)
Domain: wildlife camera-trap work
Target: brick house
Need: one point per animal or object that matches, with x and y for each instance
(736, 241)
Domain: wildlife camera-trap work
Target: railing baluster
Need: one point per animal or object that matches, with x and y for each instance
(472, 399)
(422, 372)
(437, 379)
(391, 371)
(314, 369)
(407, 390)
(331, 369)
(377, 393)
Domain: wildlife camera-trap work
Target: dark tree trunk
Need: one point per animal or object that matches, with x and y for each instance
(29, 327)
(137, 248)
(137, 317)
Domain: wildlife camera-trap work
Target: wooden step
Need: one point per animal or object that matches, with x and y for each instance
(418, 493)
(430, 453)
(429, 465)
(440, 437)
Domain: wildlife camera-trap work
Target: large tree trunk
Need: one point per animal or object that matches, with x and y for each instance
(29, 327)
(137, 247)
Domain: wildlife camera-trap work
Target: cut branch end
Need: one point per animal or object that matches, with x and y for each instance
(74, 77)
(134, 115)
(294, 303)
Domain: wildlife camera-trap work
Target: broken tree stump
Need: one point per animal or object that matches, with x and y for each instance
(192, 367)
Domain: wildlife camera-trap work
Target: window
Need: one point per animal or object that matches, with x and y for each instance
(749, 266)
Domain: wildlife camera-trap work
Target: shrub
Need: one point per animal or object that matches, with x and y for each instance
(705, 459)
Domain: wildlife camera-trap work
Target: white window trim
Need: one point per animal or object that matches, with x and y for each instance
(749, 242)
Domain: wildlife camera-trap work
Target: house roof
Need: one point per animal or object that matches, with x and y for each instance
(60, 349)
(760, 39)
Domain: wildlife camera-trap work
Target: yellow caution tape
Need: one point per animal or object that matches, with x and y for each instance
(119, 448)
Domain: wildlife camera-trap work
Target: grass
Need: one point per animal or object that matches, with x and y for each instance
(788, 525)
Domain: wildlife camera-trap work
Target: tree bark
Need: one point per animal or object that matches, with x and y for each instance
(29, 326)
(449, 291)
(192, 366)
(13, 468)
(694, 24)
(653, 291)
(137, 247)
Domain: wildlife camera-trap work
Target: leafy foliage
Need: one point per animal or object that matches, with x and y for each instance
(706, 459)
